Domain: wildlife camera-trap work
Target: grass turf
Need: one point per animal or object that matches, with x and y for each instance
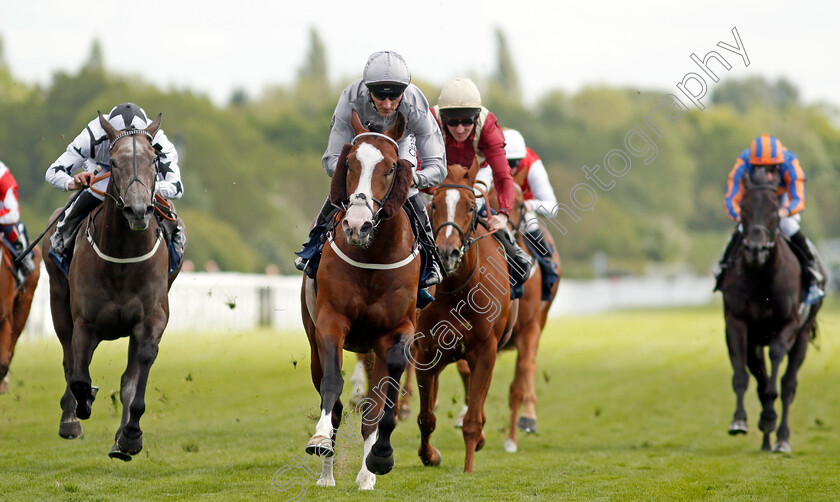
(632, 406)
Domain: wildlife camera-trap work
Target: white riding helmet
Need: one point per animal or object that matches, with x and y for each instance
(386, 67)
(128, 115)
(459, 98)
(514, 144)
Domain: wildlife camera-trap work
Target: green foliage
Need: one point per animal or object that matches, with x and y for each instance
(254, 166)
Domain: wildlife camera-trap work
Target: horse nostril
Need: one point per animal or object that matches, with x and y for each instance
(454, 255)
(365, 229)
(149, 210)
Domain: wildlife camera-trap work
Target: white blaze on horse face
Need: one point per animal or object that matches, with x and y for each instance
(453, 195)
(368, 156)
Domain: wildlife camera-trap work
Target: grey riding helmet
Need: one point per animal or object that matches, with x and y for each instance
(386, 73)
(128, 115)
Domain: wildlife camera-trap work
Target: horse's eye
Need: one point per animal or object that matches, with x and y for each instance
(393, 168)
(472, 208)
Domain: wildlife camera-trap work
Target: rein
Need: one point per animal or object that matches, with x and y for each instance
(466, 240)
(108, 258)
(372, 266)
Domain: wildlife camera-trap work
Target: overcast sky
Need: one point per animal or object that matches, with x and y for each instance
(213, 47)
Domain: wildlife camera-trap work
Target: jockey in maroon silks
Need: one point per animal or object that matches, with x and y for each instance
(469, 131)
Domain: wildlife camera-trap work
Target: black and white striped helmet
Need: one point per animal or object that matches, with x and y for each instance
(128, 115)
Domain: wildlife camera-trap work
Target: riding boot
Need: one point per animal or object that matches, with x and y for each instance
(814, 278)
(64, 237)
(433, 264)
(309, 256)
(726, 261)
(535, 239)
(26, 264)
(519, 262)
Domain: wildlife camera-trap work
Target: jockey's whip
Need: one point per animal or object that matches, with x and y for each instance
(32, 244)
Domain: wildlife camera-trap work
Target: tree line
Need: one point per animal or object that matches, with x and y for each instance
(253, 178)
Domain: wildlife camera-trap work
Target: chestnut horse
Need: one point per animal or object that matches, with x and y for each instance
(117, 286)
(364, 295)
(761, 305)
(472, 316)
(15, 302)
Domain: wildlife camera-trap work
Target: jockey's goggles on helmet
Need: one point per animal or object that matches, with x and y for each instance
(386, 91)
(463, 121)
(514, 164)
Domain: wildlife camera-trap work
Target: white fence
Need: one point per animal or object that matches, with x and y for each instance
(237, 302)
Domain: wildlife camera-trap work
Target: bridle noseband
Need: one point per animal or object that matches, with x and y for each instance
(119, 201)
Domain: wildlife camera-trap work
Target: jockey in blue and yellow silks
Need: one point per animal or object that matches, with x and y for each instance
(767, 150)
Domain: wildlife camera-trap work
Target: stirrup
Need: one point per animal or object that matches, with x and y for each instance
(434, 277)
(300, 263)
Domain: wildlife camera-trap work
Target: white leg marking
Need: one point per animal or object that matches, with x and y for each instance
(510, 445)
(459, 422)
(366, 479)
(453, 195)
(324, 427)
(326, 478)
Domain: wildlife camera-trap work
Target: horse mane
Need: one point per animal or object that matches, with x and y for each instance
(338, 185)
(399, 193)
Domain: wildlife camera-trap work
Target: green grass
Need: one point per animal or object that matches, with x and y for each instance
(632, 406)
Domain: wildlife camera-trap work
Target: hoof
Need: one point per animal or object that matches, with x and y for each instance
(526, 424)
(115, 452)
(737, 427)
(781, 447)
(84, 395)
(321, 446)
(70, 429)
(379, 465)
(510, 446)
(435, 459)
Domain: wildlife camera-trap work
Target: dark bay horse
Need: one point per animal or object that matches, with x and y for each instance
(364, 295)
(117, 286)
(472, 316)
(15, 302)
(761, 304)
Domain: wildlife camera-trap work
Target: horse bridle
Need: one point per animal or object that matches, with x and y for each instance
(466, 240)
(376, 214)
(119, 201)
(763, 228)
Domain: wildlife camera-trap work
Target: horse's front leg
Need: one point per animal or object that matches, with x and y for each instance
(481, 362)
(381, 457)
(329, 339)
(779, 348)
(147, 340)
(6, 351)
(789, 382)
(83, 344)
(736, 343)
(128, 389)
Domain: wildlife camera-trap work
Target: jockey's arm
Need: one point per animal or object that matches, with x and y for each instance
(60, 173)
(169, 183)
(544, 201)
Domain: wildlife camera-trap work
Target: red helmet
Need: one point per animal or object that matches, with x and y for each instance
(766, 150)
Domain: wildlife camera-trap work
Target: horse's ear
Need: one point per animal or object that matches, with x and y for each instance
(356, 123)
(109, 129)
(338, 185)
(398, 129)
(399, 193)
(155, 125)
(473, 170)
